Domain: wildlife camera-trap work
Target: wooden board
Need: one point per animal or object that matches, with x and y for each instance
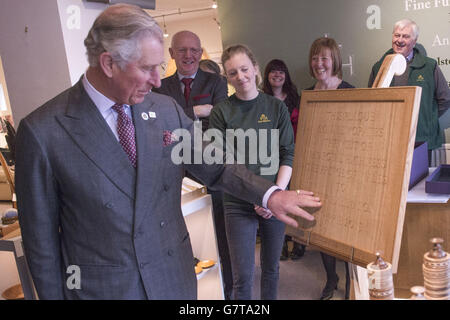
(354, 150)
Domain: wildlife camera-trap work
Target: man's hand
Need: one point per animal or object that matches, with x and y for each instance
(281, 203)
(202, 110)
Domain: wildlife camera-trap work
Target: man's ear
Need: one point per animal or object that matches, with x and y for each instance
(171, 53)
(106, 63)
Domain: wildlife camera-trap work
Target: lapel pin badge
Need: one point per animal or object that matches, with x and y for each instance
(152, 114)
(144, 116)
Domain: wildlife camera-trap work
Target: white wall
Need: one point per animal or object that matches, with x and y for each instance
(33, 55)
(77, 17)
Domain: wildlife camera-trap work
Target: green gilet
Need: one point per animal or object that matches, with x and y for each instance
(421, 74)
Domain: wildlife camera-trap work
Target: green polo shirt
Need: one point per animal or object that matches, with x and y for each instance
(259, 119)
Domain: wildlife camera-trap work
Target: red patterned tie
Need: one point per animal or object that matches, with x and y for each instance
(187, 88)
(125, 130)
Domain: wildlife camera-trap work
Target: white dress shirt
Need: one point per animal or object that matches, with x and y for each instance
(104, 105)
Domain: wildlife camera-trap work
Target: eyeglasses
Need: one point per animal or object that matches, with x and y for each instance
(194, 51)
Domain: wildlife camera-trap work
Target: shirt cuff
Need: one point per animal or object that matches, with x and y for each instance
(268, 194)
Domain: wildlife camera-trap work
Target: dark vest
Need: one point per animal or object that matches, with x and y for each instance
(421, 74)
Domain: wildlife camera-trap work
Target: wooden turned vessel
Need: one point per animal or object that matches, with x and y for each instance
(381, 285)
(436, 272)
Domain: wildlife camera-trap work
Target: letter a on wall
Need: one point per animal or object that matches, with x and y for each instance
(374, 20)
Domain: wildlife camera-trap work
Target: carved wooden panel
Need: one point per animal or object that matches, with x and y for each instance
(354, 150)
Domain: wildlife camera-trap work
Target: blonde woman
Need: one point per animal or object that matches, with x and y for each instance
(250, 109)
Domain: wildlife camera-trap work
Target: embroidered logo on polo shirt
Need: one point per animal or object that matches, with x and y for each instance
(263, 118)
(420, 78)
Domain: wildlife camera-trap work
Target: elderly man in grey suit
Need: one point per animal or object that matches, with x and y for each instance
(195, 90)
(98, 194)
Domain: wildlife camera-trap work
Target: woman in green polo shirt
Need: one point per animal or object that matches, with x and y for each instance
(260, 118)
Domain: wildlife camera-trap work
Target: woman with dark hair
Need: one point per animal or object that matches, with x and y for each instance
(277, 82)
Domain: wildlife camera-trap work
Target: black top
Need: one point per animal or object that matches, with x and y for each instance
(343, 85)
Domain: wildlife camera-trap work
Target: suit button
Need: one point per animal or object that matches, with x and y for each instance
(109, 205)
(162, 224)
(142, 265)
(170, 252)
(166, 187)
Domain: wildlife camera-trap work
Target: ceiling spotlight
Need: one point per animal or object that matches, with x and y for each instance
(165, 34)
(214, 5)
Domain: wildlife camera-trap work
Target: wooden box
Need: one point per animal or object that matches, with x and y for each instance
(354, 150)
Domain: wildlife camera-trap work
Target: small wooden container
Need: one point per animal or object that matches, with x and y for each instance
(381, 285)
(436, 272)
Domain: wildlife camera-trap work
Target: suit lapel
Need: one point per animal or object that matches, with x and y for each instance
(198, 85)
(149, 143)
(85, 124)
(175, 88)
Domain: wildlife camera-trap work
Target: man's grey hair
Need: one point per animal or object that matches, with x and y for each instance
(406, 22)
(119, 30)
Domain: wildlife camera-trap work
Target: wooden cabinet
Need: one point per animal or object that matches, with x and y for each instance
(427, 216)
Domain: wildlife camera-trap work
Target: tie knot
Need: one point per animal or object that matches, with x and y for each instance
(118, 108)
(187, 81)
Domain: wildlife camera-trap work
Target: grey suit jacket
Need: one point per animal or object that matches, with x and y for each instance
(81, 202)
(207, 88)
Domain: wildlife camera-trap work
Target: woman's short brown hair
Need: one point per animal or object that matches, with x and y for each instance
(318, 45)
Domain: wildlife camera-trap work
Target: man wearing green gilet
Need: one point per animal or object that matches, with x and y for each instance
(423, 72)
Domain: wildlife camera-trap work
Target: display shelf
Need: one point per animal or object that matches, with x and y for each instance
(196, 206)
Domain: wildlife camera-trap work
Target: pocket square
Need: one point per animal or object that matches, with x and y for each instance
(201, 96)
(169, 137)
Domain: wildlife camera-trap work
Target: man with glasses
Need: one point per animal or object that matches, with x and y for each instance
(195, 90)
